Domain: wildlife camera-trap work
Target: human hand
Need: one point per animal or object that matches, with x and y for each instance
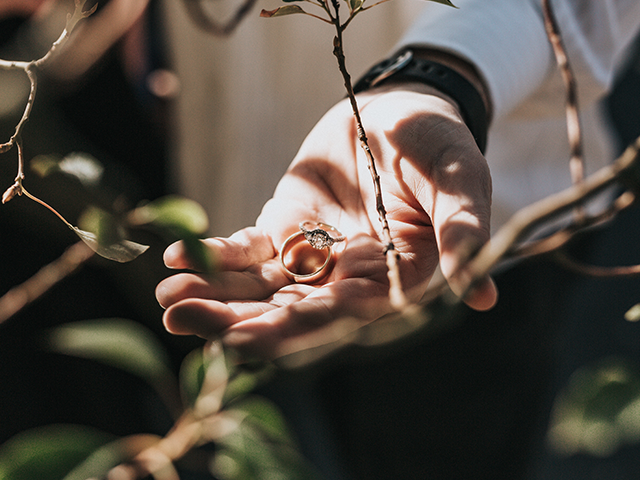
(437, 192)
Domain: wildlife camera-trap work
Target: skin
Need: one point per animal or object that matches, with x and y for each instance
(437, 191)
(25, 8)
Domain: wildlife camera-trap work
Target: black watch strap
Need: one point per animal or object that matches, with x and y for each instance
(405, 66)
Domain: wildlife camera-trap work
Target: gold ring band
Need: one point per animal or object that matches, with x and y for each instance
(303, 276)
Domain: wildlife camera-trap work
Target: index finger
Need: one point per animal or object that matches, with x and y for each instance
(238, 252)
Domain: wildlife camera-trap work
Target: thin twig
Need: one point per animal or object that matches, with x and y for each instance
(570, 263)
(29, 68)
(48, 276)
(623, 170)
(574, 130)
(562, 237)
(396, 294)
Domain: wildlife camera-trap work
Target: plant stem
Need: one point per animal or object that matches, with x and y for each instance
(574, 130)
(396, 293)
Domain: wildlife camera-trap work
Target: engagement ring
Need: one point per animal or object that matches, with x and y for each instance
(304, 264)
(318, 236)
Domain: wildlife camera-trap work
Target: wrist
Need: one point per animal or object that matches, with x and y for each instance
(442, 74)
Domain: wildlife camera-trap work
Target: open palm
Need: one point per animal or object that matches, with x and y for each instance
(437, 193)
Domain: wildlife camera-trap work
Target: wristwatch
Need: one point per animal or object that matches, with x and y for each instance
(406, 66)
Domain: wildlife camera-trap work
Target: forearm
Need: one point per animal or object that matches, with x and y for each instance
(506, 42)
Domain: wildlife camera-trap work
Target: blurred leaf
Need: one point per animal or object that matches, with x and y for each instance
(192, 373)
(355, 4)
(102, 224)
(86, 168)
(122, 251)
(199, 254)
(264, 416)
(245, 381)
(181, 218)
(45, 165)
(48, 453)
(103, 459)
(179, 213)
(594, 414)
(260, 448)
(281, 11)
(116, 342)
(214, 382)
(633, 314)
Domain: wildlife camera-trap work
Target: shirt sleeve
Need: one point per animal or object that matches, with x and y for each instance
(507, 42)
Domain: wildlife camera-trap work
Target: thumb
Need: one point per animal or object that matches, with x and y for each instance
(458, 242)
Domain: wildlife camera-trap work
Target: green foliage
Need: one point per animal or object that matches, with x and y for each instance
(100, 461)
(281, 11)
(260, 448)
(599, 411)
(355, 6)
(633, 314)
(117, 342)
(102, 226)
(86, 168)
(48, 453)
(192, 375)
(251, 436)
(182, 219)
(174, 212)
(122, 251)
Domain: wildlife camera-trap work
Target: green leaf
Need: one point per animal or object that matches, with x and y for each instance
(102, 224)
(45, 165)
(84, 167)
(281, 11)
(202, 258)
(355, 4)
(596, 412)
(175, 212)
(100, 462)
(122, 251)
(192, 372)
(266, 417)
(214, 382)
(117, 342)
(81, 165)
(633, 314)
(182, 218)
(48, 453)
(261, 448)
(245, 381)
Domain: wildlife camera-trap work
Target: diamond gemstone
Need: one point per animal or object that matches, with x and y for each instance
(319, 239)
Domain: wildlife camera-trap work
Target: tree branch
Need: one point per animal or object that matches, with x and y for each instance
(396, 294)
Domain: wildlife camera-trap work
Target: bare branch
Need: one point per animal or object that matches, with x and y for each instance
(396, 294)
(570, 263)
(563, 236)
(48, 276)
(33, 82)
(72, 20)
(574, 130)
(624, 171)
(30, 67)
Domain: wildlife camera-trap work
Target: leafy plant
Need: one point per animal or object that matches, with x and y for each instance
(243, 435)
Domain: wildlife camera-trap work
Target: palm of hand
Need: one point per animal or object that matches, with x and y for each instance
(434, 198)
